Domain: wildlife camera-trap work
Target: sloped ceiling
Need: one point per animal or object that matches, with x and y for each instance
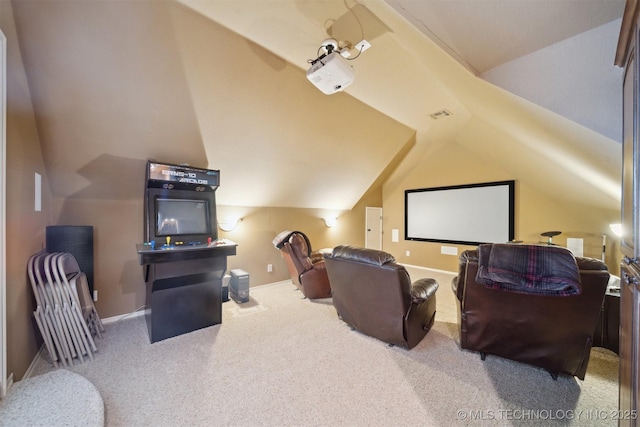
(117, 83)
(557, 54)
(484, 34)
(221, 84)
(407, 77)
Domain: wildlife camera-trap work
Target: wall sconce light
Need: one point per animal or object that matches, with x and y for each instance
(330, 221)
(229, 224)
(616, 228)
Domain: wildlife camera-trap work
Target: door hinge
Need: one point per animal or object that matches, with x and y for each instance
(629, 279)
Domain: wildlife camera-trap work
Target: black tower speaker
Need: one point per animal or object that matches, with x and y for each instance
(76, 240)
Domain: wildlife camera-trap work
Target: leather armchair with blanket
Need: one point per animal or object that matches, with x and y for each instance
(530, 303)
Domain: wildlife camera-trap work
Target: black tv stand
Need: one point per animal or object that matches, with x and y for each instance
(183, 287)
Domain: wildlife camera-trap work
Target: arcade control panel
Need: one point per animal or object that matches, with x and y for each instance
(168, 244)
(152, 253)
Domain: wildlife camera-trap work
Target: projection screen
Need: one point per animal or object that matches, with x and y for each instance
(461, 214)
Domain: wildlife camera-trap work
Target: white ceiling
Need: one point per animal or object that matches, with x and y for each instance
(482, 34)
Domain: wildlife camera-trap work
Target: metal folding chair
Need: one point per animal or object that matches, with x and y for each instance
(46, 329)
(74, 283)
(64, 312)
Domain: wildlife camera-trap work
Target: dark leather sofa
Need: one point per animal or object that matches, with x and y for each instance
(374, 295)
(550, 331)
(307, 268)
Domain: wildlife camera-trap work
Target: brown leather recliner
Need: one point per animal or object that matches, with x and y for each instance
(374, 295)
(537, 318)
(307, 268)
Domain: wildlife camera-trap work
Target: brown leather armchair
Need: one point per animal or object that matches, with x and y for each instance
(374, 295)
(543, 314)
(307, 268)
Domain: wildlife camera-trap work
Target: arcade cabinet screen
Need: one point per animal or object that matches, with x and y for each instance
(182, 216)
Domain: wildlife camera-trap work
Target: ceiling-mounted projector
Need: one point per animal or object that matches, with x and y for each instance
(330, 73)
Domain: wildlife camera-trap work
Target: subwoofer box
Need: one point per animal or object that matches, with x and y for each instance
(76, 240)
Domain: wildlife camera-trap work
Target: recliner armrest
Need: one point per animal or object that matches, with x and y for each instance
(423, 289)
(316, 257)
(320, 265)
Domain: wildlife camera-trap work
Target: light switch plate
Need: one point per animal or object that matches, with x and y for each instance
(448, 250)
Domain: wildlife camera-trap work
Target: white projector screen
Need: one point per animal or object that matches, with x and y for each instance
(462, 214)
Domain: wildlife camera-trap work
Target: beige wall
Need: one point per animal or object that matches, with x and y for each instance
(25, 226)
(254, 236)
(118, 226)
(535, 213)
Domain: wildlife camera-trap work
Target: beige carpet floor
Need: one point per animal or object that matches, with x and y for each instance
(281, 360)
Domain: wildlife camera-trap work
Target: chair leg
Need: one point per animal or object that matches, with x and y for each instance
(483, 355)
(554, 375)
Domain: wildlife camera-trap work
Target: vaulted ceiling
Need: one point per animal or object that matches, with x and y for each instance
(221, 84)
(484, 34)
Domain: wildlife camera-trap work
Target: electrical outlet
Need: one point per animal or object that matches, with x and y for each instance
(269, 268)
(362, 46)
(408, 253)
(95, 295)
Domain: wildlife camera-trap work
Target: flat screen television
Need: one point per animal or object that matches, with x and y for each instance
(187, 217)
(178, 217)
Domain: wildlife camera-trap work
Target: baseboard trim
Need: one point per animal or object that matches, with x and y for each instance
(266, 285)
(31, 367)
(113, 319)
(430, 269)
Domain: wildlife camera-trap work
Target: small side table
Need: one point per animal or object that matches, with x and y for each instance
(606, 334)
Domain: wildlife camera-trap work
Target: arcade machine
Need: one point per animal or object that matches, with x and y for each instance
(183, 260)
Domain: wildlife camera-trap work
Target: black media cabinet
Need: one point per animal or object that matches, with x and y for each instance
(183, 287)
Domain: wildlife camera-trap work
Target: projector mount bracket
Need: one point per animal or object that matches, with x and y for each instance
(327, 46)
(331, 45)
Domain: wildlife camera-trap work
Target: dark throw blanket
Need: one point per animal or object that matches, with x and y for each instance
(530, 269)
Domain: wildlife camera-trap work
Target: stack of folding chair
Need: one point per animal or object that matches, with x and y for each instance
(65, 313)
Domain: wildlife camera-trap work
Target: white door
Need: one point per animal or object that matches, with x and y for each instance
(373, 235)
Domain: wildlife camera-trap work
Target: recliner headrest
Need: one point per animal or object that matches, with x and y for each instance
(368, 256)
(282, 237)
(286, 235)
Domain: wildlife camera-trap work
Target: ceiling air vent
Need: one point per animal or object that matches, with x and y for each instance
(440, 114)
